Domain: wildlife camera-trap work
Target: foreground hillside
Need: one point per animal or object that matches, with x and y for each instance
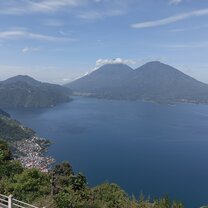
(153, 81)
(14, 133)
(24, 91)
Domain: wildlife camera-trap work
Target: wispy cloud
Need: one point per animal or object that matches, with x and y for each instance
(22, 34)
(13, 7)
(83, 9)
(53, 5)
(175, 1)
(92, 15)
(105, 8)
(171, 19)
(29, 49)
(101, 62)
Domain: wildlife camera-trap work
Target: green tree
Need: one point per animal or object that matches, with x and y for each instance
(177, 205)
(60, 177)
(111, 195)
(78, 182)
(69, 199)
(166, 203)
(29, 185)
(10, 168)
(63, 169)
(143, 203)
(5, 153)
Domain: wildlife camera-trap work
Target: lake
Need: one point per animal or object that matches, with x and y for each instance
(156, 149)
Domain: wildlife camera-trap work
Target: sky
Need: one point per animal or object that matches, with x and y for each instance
(60, 40)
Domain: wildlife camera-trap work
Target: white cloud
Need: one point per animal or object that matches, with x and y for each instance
(66, 80)
(78, 8)
(13, 7)
(23, 34)
(25, 50)
(101, 62)
(21, 7)
(29, 49)
(53, 5)
(92, 15)
(175, 1)
(171, 19)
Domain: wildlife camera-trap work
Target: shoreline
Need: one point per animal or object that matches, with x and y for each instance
(32, 153)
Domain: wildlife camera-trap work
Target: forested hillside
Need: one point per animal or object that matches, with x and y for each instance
(26, 92)
(12, 130)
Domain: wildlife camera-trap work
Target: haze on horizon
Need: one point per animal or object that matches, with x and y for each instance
(58, 41)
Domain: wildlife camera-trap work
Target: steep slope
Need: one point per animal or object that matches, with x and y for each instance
(26, 92)
(11, 130)
(102, 80)
(160, 82)
(153, 81)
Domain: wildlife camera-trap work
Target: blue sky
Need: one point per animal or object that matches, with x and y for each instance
(60, 40)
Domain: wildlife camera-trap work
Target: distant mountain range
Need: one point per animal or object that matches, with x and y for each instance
(23, 78)
(153, 81)
(24, 91)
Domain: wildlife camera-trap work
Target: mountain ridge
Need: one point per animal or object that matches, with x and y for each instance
(22, 78)
(24, 91)
(153, 81)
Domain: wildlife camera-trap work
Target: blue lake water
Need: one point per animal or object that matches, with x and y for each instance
(156, 149)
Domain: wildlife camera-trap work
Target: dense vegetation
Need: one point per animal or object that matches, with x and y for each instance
(62, 188)
(11, 130)
(24, 91)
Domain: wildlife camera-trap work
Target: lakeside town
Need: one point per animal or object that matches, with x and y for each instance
(31, 153)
